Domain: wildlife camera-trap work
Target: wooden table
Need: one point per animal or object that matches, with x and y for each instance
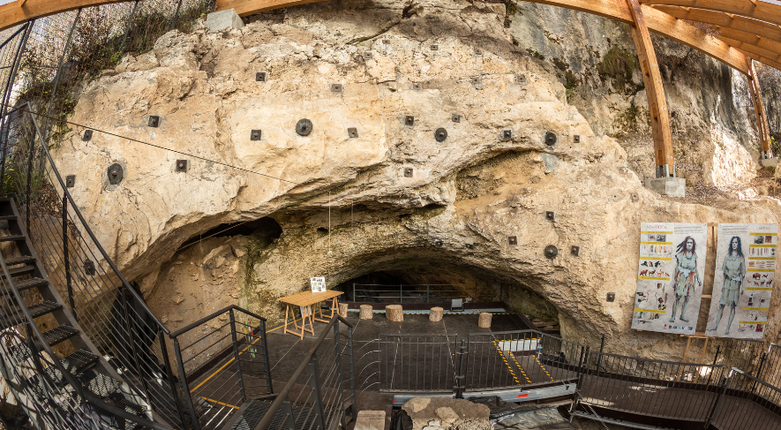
(305, 300)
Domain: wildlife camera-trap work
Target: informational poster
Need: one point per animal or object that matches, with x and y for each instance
(669, 277)
(745, 265)
(318, 284)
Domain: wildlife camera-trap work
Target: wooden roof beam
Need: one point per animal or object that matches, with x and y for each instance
(769, 48)
(724, 20)
(657, 101)
(762, 11)
(661, 23)
(19, 12)
(251, 7)
(763, 129)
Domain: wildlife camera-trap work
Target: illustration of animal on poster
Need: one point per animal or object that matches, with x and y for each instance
(669, 277)
(743, 283)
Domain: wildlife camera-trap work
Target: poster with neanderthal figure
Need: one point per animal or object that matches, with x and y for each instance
(669, 277)
(745, 265)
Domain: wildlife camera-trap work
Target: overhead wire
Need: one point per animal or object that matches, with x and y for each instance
(177, 151)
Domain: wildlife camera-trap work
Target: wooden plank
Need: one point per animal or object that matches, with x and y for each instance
(724, 21)
(772, 47)
(308, 298)
(758, 10)
(661, 23)
(756, 95)
(759, 58)
(657, 102)
(753, 49)
(251, 7)
(15, 13)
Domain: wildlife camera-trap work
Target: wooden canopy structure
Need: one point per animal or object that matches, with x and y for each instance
(736, 32)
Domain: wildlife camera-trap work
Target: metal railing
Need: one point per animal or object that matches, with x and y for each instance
(224, 356)
(411, 293)
(418, 362)
(321, 392)
(746, 402)
(650, 387)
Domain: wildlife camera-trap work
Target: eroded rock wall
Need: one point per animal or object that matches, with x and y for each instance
(393, 194)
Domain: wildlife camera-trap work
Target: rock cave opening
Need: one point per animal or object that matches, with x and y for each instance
(266, 228)
(429, 280)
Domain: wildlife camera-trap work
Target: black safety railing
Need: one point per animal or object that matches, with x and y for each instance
(515, 358)
(321, 392)
(224, 356)
(650, 387)
(746, 402)
(770, 370)
(418, 362)
(411, 293)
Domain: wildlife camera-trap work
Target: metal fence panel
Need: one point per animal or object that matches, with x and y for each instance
(418, 362)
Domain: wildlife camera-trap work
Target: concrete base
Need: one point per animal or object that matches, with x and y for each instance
(673, 187)
(223, 20)
(769, 162)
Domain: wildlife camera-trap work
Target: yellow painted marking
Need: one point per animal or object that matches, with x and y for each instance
(762, 258)
(653, 277)
(753, 322)
(656, 232)
(656, 243)
(762, 246)
(229, 361)
(763, 234)
(760, 270)
(521, 368)
(656, 258)
(496, 345)
(758, 289)
(219, 403)
(543, 368)
(756, 309)
(656, 311)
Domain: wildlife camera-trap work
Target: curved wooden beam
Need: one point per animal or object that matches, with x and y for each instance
(21, 11)
(661, 23)
(251, 7)
(760, 58)
(759, 10)
(765, 48)
(725, 21)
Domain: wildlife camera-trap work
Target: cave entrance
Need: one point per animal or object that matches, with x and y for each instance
(420, 283)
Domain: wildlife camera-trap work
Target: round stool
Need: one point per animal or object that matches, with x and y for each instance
(484, 321)
(366, 312)
(343, 309)
(394, 313)
(436, 314)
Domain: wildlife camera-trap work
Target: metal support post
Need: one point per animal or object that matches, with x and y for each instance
(401, 294)
(185, 387)
(601, 348)
(290, 420)
(176, 15)
(339, 379)
(170, 375)
(66, 255)
(460, 377)
(236, 354)
(352, 371)
(317, 398)
(131, 337)
(265, 356)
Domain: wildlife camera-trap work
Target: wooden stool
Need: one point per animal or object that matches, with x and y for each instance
(394, 313)
(484, 321)
(366, 312)
(436, 314)
(343, 309)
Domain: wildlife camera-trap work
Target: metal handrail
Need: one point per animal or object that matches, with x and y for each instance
(282, 395)
(192, 325)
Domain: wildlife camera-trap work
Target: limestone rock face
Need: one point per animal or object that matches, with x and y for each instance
(389, 196)
(440, 413)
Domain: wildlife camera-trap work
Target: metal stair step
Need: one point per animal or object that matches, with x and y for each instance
(26, 284)
(79, 361)
(15, 316)
(52, 337)
(25, 259)
(7, 217)
(14, 238)
(18, 271)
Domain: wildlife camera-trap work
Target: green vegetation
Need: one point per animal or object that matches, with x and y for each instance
(535, 54)
(619, 64)
(96, 45)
